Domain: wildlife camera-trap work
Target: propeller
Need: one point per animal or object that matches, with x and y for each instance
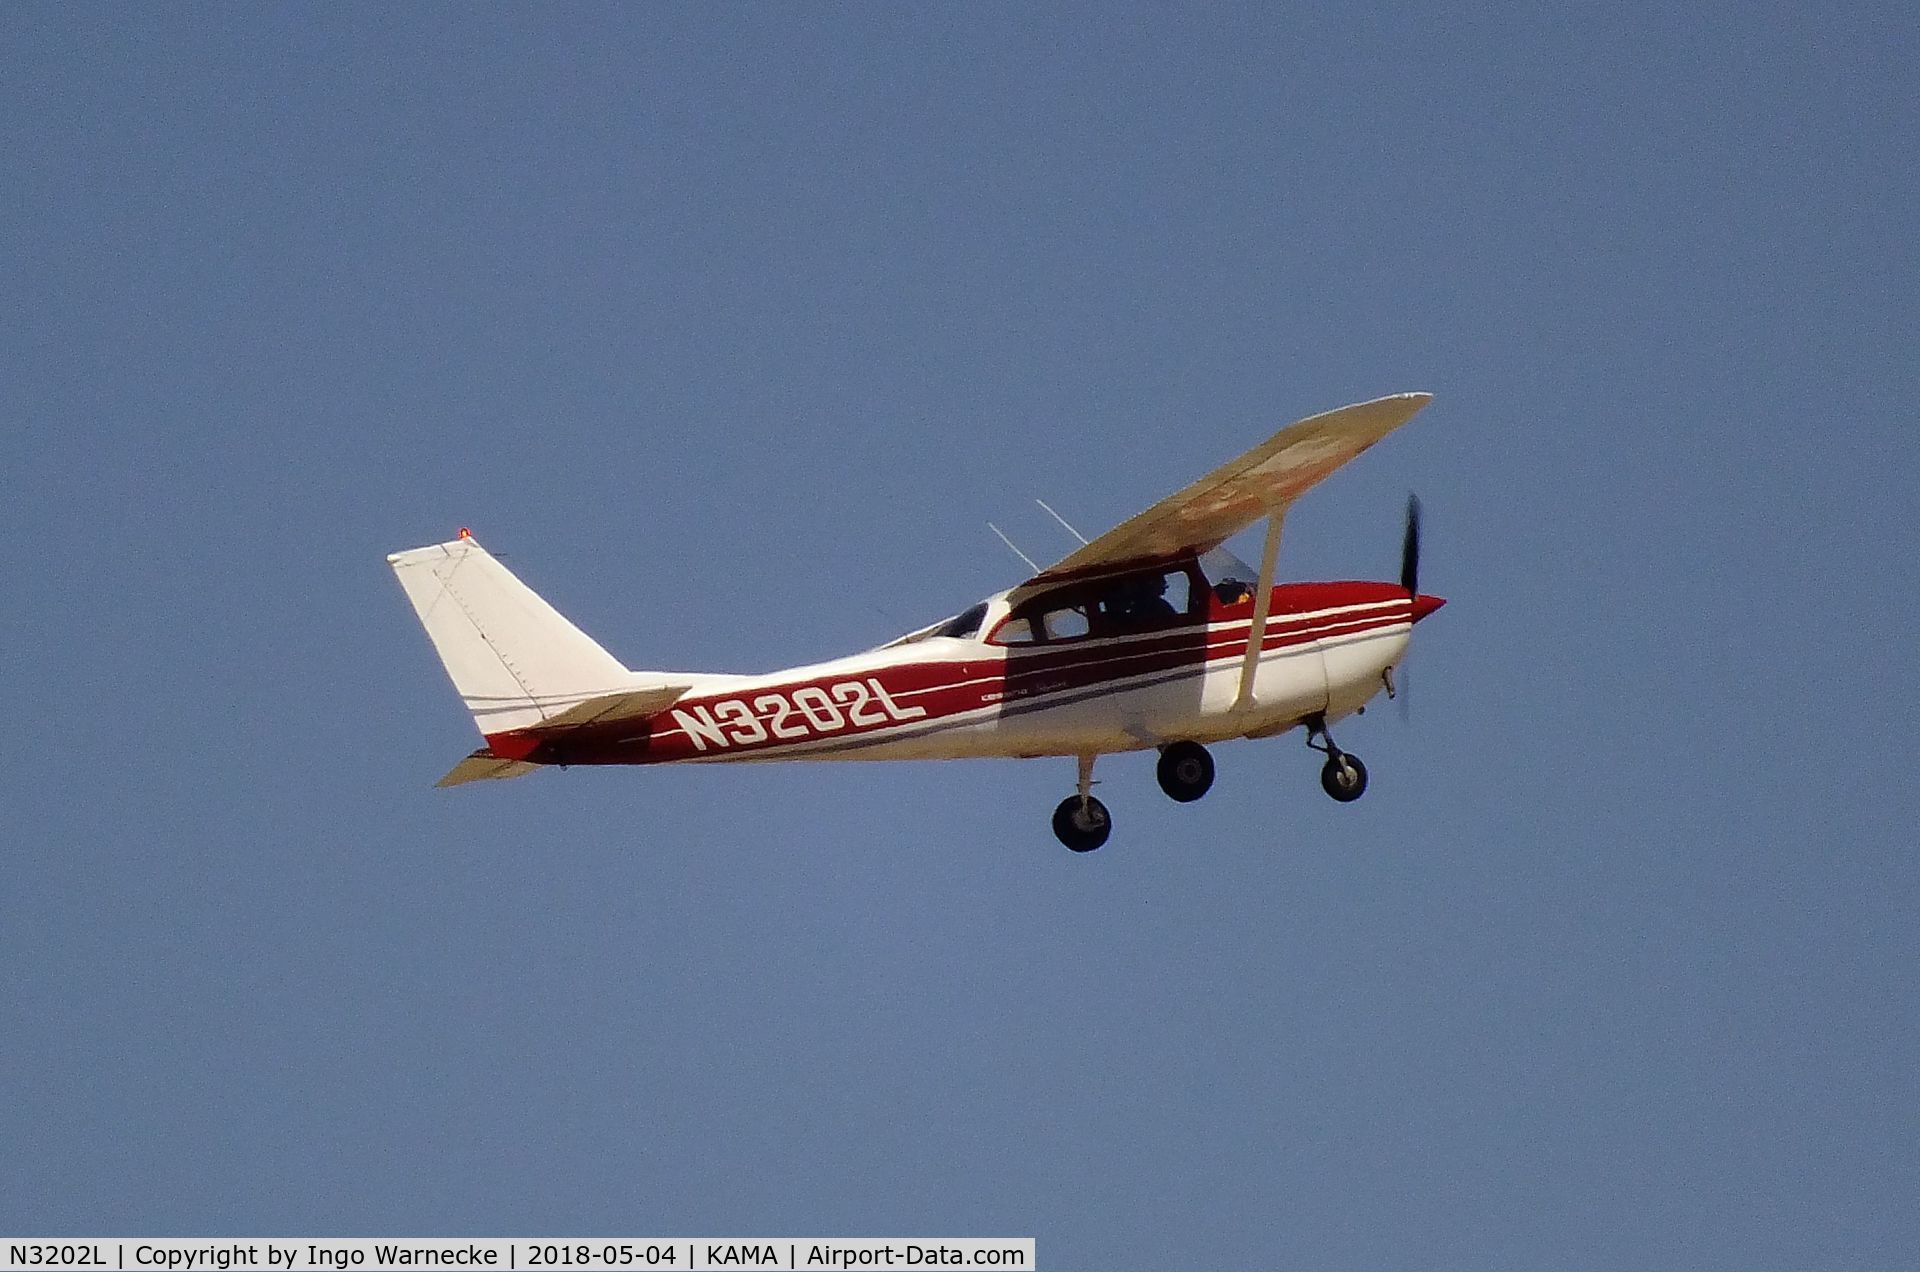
(1410, 548)
(1410, 580)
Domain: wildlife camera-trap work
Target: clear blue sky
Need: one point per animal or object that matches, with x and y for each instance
(731, 328)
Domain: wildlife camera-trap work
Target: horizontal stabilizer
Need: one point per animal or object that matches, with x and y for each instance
(483, 765)
(636, 704)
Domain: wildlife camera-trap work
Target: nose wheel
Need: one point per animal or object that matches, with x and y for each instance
(1343, 776)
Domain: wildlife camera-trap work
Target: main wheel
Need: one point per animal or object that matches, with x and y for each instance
(1344, 777)
(1185, 771)
(1082, 827)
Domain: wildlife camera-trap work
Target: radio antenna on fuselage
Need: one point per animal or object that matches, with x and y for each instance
(1063, 521)
(1016, 551)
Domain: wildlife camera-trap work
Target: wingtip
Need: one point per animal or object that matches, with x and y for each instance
(1408, 405)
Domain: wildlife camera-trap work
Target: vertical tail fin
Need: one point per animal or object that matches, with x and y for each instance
(514, 659)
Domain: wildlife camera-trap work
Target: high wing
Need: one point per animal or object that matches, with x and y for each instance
(1260, 483)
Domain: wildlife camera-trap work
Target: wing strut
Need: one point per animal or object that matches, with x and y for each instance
(1262, 602)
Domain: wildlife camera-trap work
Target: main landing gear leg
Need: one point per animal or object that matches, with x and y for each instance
(1343, 776)
(1081, 822)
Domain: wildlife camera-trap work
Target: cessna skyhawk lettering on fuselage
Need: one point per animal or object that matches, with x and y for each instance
(1149, 636)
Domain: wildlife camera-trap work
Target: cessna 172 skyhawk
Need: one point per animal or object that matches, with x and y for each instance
(1141, 638)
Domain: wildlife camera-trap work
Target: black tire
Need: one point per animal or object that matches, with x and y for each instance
(1082, 831)
(1185, 771)
(1344, 777)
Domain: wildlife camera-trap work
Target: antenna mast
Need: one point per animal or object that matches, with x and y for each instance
(1063, 521)
(1016, 551)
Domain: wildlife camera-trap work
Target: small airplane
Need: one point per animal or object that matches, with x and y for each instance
(1141, 638)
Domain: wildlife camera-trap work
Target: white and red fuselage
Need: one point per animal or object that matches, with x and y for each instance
(1324, 652)
(1125, 644)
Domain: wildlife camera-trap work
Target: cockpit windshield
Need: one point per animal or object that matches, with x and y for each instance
(1231, 577)
(964, 625)
(1219, 565)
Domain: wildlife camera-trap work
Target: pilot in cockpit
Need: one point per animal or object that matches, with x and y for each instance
(1140, 602)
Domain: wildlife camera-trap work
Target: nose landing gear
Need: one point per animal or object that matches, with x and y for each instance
(1343, 776)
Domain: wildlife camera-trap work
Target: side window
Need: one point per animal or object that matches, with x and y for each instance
(1068, 615)
(1145, 602)
(1069, 623)
(1015, 631)
(1179, 592)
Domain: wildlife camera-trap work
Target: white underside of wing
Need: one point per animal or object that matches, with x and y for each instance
(1259, 483)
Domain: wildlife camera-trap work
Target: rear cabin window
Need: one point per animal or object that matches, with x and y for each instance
(1015, 631)
(1057, 623)
(1069, 622)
